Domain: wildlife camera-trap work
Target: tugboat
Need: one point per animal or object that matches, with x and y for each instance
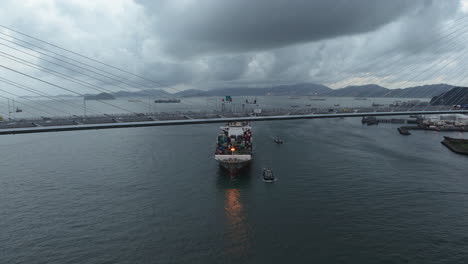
(278, 141)
(404, 131)
(268, 175)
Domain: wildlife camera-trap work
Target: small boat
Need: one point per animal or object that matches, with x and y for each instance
(317, 99)
(251, 102)
(278, 141)
(369, 120)
(372, 122)
(337, 105)
(268, 175)
(404, 131)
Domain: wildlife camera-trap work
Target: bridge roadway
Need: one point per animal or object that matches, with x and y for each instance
(70, 123)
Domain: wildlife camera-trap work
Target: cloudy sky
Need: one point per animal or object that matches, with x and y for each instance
(207, 44)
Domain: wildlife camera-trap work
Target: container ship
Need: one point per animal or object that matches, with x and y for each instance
(167, 101)
(234, 146)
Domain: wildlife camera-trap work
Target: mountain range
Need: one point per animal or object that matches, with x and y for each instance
(311, 89)
(303, 89)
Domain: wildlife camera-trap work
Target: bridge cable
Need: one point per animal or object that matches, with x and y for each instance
(63, 56)
(53, 98)
(31, 106)
(61, 87)
(378, 59)
(397, 64)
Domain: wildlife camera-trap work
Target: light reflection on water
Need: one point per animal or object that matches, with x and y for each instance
(238, 235)
(237, 222)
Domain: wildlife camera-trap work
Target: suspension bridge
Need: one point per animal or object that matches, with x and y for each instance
(53, 67)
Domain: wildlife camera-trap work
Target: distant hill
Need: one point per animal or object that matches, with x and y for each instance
(373, 90)
(370, 90)
(424, 91)
(456, 96)
(300, 89)
(143, 93)
(295, 89)
(190, 93)
(101, 96)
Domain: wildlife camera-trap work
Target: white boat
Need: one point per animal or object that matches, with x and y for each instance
(234, 146)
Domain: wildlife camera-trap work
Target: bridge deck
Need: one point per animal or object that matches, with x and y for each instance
(37, 125)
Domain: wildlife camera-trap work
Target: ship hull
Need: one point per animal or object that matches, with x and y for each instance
(233, 167)
(233, 163)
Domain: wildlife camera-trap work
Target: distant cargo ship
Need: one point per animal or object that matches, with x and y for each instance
(234, 146)
(163, 101)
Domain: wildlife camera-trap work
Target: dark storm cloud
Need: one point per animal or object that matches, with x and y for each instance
(211, 43)
(245, 25)
(298, 40)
